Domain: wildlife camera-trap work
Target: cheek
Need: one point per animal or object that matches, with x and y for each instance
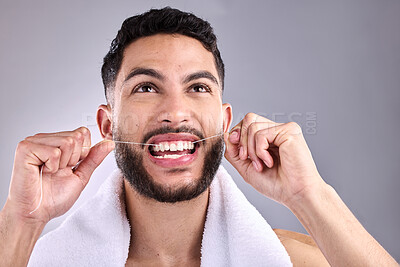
(135, 116)
(214, 121)
(209, 113)
(129, 123)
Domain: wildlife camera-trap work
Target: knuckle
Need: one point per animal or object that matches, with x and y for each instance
(69, 142)
(29, 138)
(78, 135)
(84, 131)
(249, 122)
(249, 117)
(23, 145)
(55, 153)
(293, 124)
(294, 127)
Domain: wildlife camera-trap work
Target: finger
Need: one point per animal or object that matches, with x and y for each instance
(86, 140)
(82, 129)
(96, 155)
(82, 145)
(231, 145)
(251, 144)
(239, 129)
(65, 144)
(75, 145)
(248, 120)
(276, 136)
(236, 129)
(234, 136)
(37, 155)
(261, 148)
(252, 132)
(232, 155)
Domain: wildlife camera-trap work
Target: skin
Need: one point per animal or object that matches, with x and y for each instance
(272, 157)
(175, 103)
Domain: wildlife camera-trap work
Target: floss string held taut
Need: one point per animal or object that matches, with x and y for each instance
(116, 141)
(147, 144)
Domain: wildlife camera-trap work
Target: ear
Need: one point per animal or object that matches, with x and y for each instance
(104, 121)
(227, 116)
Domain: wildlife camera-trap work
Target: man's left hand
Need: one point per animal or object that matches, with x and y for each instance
(272, 157)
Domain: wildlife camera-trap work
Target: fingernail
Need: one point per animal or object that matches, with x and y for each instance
(241, 152)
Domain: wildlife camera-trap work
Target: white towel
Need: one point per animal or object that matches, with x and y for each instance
(98, 233)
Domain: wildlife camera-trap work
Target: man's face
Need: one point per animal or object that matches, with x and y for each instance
(168, 93)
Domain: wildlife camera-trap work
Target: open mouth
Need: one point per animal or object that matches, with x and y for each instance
(173, 149)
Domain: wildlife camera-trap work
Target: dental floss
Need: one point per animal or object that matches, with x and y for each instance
(116, 141)
(146, 144)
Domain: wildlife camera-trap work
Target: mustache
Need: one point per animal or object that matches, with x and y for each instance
(168, 129)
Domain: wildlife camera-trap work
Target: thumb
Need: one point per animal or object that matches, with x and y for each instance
(96, 155)
(232, 152)
(232, 145)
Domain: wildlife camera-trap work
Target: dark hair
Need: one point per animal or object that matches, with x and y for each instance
(165, 20)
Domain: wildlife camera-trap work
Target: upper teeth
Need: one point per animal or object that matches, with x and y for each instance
(175, 146)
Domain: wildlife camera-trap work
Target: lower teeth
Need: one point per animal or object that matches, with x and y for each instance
(172, 156)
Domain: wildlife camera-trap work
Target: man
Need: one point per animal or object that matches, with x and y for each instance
(163, 79)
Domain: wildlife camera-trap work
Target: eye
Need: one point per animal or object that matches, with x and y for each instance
(200, 88)
(144, 88)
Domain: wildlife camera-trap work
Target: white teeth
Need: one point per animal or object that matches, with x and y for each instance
(177, 146)
(172, 147)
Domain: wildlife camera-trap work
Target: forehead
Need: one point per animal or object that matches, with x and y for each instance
(174, 55)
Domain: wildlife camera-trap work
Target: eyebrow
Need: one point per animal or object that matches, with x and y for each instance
(144, 71)
(199, 75)
(159, 76)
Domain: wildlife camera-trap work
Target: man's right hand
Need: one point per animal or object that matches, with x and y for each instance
(63, 181)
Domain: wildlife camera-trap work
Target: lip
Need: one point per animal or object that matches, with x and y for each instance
(173, 163)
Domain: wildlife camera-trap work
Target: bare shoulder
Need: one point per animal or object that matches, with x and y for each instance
(302, 249)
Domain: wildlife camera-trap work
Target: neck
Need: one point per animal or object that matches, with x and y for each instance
(165, 231)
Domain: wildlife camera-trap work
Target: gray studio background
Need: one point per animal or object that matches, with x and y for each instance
(332, 66)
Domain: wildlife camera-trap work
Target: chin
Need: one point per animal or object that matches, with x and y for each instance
(177, 176)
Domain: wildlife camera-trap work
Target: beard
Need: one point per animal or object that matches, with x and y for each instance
(130, 161)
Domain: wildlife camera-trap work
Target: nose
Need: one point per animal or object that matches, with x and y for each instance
(175, 111)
